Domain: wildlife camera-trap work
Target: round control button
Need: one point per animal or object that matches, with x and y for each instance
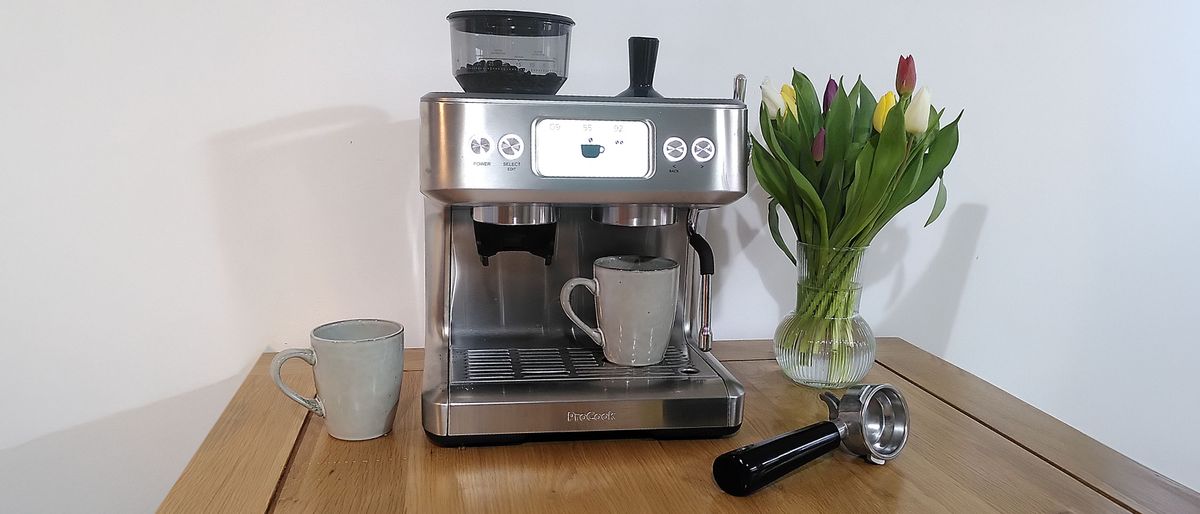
(674, 149)
(511, 146)
(480, 145)
(703, 149)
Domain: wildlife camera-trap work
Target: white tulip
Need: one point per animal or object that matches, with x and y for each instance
(916, 118)
(771, 98)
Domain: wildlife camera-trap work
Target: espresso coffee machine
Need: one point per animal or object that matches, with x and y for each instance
(523, 192)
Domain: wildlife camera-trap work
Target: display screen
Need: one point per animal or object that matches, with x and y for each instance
(592, 148)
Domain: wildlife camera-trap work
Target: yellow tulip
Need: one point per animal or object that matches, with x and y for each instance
(789, 98)
(886, 102)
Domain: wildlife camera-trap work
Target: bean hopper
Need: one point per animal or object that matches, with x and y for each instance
(524, 189)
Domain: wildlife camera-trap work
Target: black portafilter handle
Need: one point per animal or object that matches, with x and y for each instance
(747, 469)
(643, 56)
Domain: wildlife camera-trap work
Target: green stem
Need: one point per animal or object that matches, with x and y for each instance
(826, 301)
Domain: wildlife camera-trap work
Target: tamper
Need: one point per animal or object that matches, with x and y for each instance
(870, 420)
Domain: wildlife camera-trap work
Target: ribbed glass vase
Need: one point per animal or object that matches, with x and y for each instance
(825, 343)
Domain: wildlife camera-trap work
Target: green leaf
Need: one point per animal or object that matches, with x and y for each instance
(862, 116)
(769, 181)
(790, 146)
(851, 95)
(939, 203)
(862, 171)
(834, 196)
(852, 157)
(889, 154)
(764, 123)
(872, 200)
(804, 224)
(773, 222)
(940, 152)
(811, 200)
(768, 133)
(807, 106)
(775, 173)
(909, 180)
(837, 129)
(856, 215)
(798, 145)
(945, 144)
(785, 141)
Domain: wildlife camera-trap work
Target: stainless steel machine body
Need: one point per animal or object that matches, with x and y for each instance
(523, 193)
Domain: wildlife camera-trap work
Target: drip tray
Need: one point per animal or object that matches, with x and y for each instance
(507, 365)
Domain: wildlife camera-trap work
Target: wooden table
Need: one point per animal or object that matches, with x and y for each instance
(973, 448)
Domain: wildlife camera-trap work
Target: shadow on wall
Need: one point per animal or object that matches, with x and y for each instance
(122, 463)
(320, 216)
(930, 306)
(745, 232)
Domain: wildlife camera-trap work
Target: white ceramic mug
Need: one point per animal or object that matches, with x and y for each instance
(635, 307)
(357, 366)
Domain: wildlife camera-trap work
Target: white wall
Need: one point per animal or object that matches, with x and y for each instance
(186, 184)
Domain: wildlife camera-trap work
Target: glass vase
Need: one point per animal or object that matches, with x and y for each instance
(824, 342)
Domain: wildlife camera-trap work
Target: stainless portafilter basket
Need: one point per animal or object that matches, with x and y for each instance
(870, 421)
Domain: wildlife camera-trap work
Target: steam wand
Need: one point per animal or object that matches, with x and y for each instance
(707, 266)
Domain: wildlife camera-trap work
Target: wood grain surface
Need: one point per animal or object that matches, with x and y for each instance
(267, 454)
(743, 350)
(241, 460)
(952, 464)
(1113, 474)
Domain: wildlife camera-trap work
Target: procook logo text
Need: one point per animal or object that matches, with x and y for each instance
(591, 416)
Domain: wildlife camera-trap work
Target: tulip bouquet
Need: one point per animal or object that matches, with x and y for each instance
(841, 167)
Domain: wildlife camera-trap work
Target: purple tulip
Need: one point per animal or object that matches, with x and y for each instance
(818, 148)
(831, 89)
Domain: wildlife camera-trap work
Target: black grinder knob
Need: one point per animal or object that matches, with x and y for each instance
(643, 56)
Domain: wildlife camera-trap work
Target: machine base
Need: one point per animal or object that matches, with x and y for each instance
(455, 441)
(509, 394)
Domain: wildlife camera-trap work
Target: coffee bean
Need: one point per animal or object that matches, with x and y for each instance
(496, 76)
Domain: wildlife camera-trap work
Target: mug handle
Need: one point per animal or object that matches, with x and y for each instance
(312, 404)
(565, 299)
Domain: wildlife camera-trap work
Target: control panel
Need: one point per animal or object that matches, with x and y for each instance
(507, 148)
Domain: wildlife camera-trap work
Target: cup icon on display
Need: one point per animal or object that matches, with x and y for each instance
(591, 151)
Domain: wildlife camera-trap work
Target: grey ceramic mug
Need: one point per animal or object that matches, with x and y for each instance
(635, 307)
(357, 366)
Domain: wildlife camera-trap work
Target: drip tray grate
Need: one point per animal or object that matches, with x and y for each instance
(477, 365)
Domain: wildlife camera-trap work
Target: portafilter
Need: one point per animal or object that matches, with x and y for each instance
(870, 421)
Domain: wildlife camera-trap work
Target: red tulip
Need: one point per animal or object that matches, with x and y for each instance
(906, 76)
(818, 148)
